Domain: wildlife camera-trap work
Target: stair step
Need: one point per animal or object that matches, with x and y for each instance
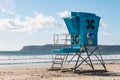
(62, 54)
(57, 62)
(56, 68)
(59, 58)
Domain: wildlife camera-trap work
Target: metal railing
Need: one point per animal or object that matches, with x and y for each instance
(61, 40)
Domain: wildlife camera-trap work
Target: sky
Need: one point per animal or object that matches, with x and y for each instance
(33, 22)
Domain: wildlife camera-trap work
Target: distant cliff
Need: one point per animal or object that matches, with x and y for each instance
(47, 48)
(43, 48)
(110, 49)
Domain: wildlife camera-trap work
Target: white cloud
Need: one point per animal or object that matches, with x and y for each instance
(105, 33)
(29, 24)
(103, 24)
(12, 21)
(68, 14)
(64, 14)
(7, 6)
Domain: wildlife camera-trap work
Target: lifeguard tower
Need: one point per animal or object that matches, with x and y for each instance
(83, 39)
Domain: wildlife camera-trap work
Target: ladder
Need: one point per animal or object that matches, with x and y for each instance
(59, 61)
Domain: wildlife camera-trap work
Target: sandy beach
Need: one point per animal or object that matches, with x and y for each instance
(38, 72)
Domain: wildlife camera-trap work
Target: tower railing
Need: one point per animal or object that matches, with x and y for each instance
(61, 41)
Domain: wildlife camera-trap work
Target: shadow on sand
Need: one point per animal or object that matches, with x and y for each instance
(90, 72)
(97, 73)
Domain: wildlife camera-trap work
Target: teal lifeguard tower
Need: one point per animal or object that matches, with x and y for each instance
(82, 39)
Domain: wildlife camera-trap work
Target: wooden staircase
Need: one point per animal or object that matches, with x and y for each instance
(59, 61)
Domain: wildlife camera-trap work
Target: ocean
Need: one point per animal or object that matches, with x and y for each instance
(24, 58)
(13, 58)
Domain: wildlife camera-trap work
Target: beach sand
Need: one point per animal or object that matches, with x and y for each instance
(38, 72)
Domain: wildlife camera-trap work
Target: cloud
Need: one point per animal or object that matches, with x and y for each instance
(10, 20)
(29, 24)
(105, 33)
(7, 6)
(68, 14)
(103, 24)
(64, 14)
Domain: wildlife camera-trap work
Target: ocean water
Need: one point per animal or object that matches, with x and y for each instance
(24, 57)
(10, 58)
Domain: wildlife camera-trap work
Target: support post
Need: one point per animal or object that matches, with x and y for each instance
(88, 57)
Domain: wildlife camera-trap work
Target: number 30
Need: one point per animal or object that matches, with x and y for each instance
(90, 24)
(75, 39)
